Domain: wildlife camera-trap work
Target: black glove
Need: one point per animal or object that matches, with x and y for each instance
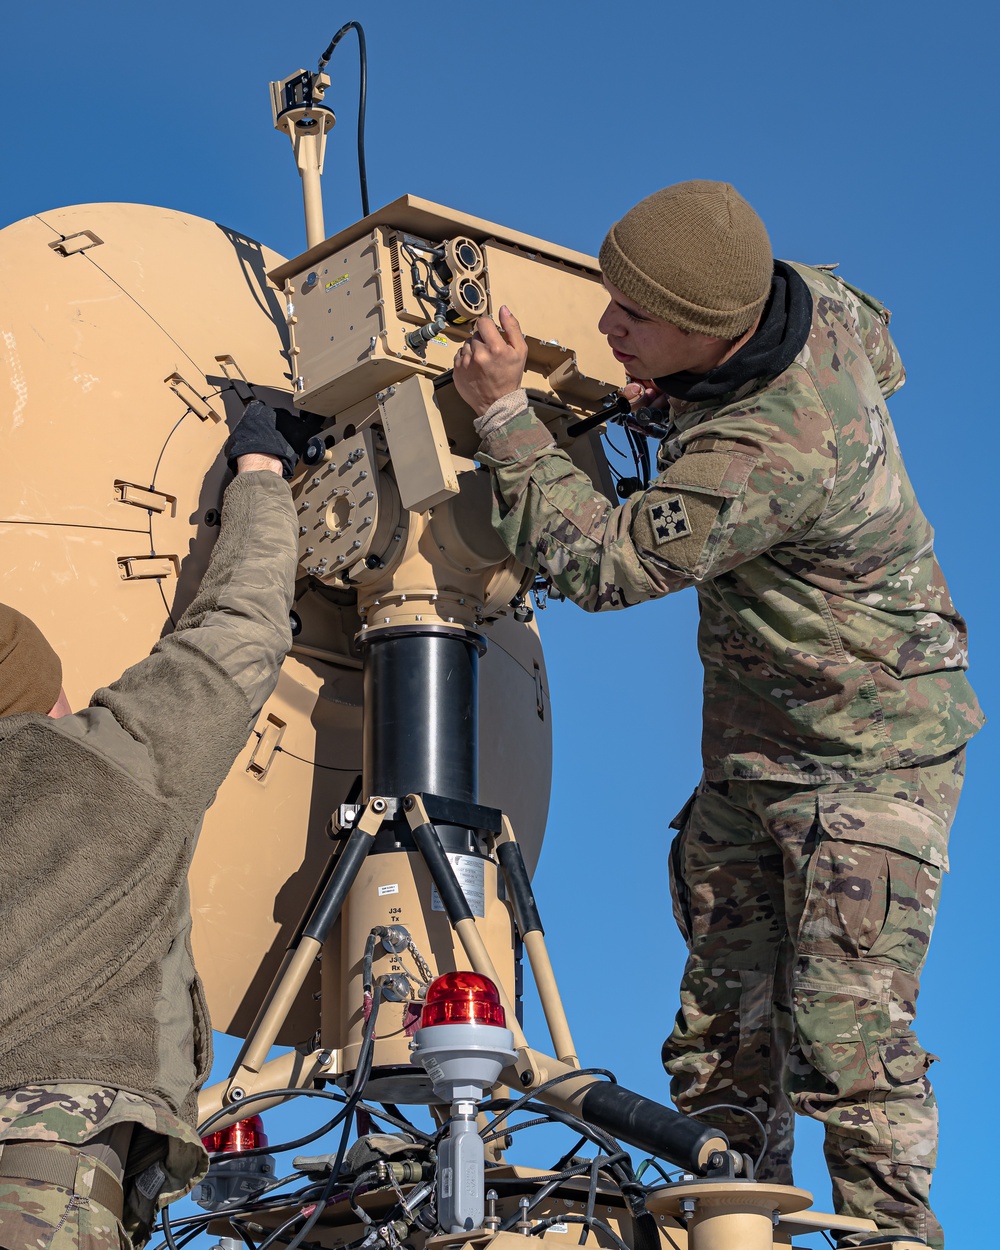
(257, 434)
(298, 426)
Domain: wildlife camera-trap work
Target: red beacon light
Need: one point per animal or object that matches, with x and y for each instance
(232, 1172)
(463, 1044)
(245, 1134)
(462, 998)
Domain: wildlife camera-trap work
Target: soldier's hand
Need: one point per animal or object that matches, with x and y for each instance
(644, 394)
(489, 366)
(256, 440)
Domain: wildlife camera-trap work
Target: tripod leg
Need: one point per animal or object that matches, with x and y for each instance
(456, 905)
(529, 925)
(311, 935)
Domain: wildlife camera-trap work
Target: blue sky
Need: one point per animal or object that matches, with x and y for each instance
(862, 132)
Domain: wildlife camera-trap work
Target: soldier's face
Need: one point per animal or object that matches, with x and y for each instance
(650, 348)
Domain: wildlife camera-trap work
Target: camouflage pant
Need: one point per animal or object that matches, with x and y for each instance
(35, 1215)
(807, 912)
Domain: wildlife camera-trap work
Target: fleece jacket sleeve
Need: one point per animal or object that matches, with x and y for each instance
(191, 703)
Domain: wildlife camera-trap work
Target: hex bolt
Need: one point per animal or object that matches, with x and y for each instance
(302, 529)
(309, 551)
(356, 544)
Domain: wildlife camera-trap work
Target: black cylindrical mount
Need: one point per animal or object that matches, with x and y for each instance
(651, 1127)
(421, 712)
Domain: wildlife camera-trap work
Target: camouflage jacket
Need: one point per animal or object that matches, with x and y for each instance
(102, 1017)
(830, 643)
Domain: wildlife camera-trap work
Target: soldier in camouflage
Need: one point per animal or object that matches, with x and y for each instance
(806, 868)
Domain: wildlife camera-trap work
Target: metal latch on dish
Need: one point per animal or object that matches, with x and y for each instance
(74, 243)
(143, 497)
(138, 568)
(188, 395)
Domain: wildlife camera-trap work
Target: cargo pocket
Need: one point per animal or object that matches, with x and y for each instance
(905, 1061)
(680, 895)
(873, 881)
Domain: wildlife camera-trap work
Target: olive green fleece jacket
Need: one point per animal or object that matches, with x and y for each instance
(99, 816)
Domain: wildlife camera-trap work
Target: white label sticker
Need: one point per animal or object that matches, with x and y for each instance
(471, 873)
(387, 889)
(559, 1228)
(446, 1175)
(150, 1182)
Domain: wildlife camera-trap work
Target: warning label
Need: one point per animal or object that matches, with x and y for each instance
(471, 873)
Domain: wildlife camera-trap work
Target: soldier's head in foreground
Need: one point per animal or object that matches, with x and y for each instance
(30, 671)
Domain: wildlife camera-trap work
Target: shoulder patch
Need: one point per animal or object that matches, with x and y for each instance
(667, 519)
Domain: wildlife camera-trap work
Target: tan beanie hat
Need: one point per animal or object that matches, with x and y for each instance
(694, 254)
(30, 671)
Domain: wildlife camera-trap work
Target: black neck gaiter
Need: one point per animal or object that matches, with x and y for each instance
(781, 335)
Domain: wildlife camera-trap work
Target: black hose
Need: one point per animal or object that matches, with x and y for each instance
(361, 1075)
(592, 1166)
(362, 103)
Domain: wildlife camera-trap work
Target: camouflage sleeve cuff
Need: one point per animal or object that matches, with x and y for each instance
(498, 414)
(521, 435)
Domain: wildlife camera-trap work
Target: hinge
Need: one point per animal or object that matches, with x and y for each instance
(188, 395)
(135, 568)
(74, 243)
(142, 497)
(266, 748)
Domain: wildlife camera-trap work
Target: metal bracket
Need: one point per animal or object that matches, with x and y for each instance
(74, 243)
(186, 393)
(143, 497)
(139, 568)
(445, 811)
(239, 382)
(266, 748)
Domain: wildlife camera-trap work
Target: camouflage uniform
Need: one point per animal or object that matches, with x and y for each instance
(36, 1214)
(834, 664)
(103, 1021)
